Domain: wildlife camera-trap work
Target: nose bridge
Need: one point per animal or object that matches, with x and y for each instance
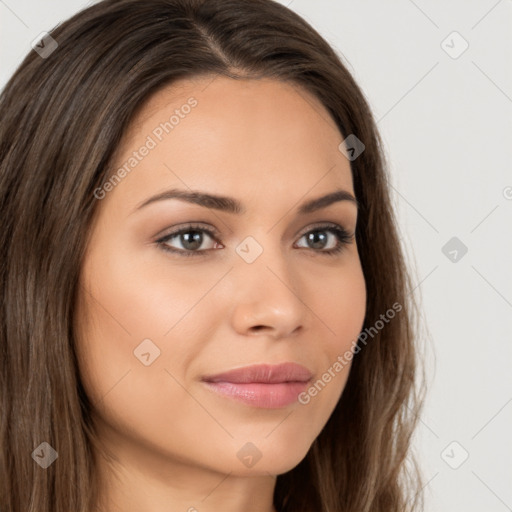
(264, 261)
(268, 293)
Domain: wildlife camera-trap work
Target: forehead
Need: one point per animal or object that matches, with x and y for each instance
(220, 133)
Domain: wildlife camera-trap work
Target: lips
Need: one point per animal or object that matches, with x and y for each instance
(264, 374)
(265, 386)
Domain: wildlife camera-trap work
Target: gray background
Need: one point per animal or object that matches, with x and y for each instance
(447, 122)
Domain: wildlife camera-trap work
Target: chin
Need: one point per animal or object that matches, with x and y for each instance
(265, 456)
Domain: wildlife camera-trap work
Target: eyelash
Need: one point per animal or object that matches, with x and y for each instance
(344, 238)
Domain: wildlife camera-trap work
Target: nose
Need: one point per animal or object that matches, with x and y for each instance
(266, 299)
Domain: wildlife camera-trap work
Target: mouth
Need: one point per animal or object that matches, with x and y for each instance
(265, 386)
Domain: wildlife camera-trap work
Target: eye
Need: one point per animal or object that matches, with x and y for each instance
(327, 239)
(192, 240)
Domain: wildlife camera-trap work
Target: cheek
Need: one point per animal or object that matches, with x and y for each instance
(123, 316)
(133, 306)
(342, 307)
(133, 293)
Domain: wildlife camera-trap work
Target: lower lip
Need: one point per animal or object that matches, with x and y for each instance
(257, 394)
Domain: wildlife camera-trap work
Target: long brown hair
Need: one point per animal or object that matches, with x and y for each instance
(62, 118)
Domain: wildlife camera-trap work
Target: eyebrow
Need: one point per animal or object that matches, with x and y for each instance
(231, 205)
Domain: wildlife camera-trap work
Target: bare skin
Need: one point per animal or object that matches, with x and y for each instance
(272, 147)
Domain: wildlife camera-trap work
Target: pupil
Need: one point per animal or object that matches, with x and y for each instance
(317, 239)
(193, 241)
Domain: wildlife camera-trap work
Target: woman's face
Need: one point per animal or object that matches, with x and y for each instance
(160, 312)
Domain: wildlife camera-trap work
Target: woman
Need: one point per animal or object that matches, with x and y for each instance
(205, 301)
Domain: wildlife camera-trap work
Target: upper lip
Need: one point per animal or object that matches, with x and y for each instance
(263, 373)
